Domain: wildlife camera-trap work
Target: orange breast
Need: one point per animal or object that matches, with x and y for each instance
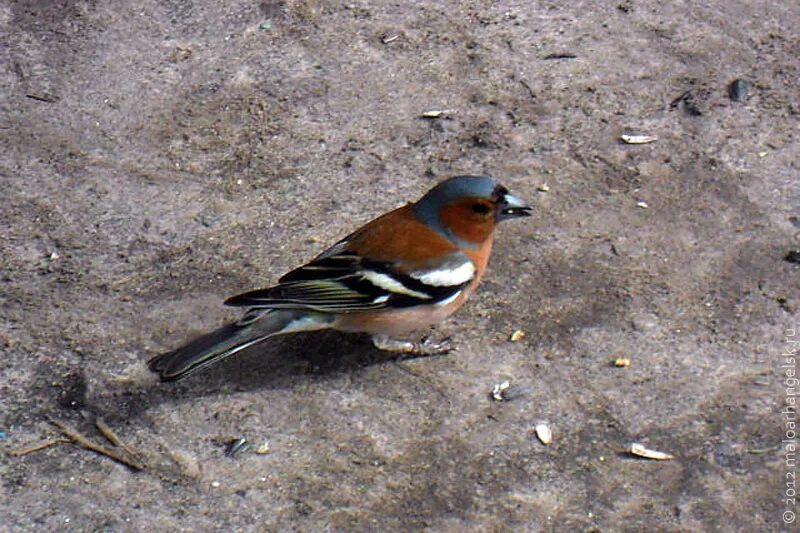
(399, 234)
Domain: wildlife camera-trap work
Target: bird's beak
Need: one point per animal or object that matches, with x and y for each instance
(509, 206)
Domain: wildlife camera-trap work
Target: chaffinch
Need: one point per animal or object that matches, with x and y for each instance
(406, 270)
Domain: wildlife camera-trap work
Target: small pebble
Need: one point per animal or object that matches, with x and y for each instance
(517, 336)
(263, 448)
(543, 188)
(738, 89)
(643, 205)
(622, 362)
(544, 433)
(266, 25)
(216, 484)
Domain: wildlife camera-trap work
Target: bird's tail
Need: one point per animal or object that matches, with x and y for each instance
(230, 339)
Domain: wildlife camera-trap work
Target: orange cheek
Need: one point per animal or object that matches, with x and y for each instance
(466, 224)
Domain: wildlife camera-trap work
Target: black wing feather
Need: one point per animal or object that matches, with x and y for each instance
(336, 282)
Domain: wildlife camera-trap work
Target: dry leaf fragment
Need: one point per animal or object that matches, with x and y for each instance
(640, 450)
(435, 113)
(499, 389)
(639, 139)
(236, 447)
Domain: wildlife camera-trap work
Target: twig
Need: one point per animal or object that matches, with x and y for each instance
(31, 448)
(112, 437)
(80, 440)
(676, 101)
(560, 56)
(759, 451)
(38, 98)
(528, 87)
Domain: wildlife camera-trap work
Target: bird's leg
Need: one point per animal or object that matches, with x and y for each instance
(426, 346)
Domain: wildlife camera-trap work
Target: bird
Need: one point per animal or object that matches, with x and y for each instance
(404, 271)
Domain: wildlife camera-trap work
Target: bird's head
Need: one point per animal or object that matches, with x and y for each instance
(466, 209)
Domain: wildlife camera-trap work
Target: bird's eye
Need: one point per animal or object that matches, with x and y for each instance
(480, 208)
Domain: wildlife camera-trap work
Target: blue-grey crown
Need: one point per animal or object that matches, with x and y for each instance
(454, 188)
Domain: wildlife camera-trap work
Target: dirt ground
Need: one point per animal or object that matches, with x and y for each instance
(157, 157)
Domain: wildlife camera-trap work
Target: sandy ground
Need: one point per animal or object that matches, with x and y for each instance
(156, 159)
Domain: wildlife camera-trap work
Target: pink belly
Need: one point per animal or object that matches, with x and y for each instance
(397, 323)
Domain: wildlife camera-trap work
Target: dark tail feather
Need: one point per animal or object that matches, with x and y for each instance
(219, 344)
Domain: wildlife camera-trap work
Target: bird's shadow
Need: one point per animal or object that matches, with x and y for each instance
(277, 363)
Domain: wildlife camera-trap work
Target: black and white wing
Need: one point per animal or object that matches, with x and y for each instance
(340, 281)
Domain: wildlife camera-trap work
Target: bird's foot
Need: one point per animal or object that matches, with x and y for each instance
(425, 347)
